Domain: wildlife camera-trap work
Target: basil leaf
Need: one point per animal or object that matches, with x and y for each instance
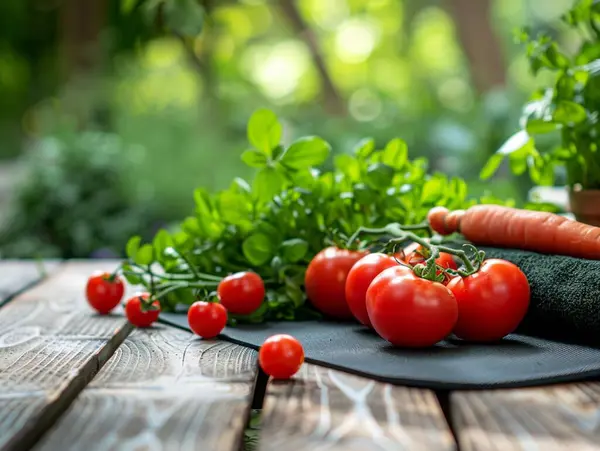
(267, 183)
(294, 249)
(306, 152)
(395, 154)
(254, 158)
(132, 246)
(162, 240)
(145, 255)
(379, 175)
(264, 131)
(257, 249)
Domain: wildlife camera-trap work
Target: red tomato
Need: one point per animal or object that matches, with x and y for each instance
(492, 302)
(104, 293)
(241, 293)
(281, 356)
(410, 311)
(207, 319)
(135, 315)
(325, 280)
(360, 277)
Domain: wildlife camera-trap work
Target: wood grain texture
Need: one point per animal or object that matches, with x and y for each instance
(554, 418)
(324, 409)
(163, 389)
(51, 345)
(17, 275)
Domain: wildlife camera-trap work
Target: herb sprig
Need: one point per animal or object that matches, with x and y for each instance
(292, 209)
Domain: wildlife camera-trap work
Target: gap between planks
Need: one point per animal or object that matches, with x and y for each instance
(172, 391)
(51, 345)
(16, 276)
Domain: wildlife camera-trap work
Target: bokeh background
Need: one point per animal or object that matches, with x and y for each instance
(113, 111)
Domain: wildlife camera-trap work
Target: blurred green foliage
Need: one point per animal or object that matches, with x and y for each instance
(179, 78)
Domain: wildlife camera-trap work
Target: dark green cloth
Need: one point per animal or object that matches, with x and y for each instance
(565, 295)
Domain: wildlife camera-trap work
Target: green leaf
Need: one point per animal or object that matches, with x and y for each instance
(132, 246)
(145, 255)
(395, 154)
(185, 17)
(127, 6)
(267, 183)
(433, 189)
(203, 204)
(364, 148)
(306, 152)
(254, 158)
(516, 142)
(294, 249)
(491, 166)
(541, 171)
(234, 208)
(191, 226)
(348, 165)
(379, 175)
(569, 113)
(540, 126)
(162, 240)
(264, 131)
(363, 194)
(257, 249)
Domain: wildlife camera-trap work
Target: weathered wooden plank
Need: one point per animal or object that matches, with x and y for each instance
(327, 409)
(51, 345)
(162, 389)
(17, 275)
(553, 418)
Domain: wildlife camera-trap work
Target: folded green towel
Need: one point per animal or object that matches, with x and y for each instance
(565, 295)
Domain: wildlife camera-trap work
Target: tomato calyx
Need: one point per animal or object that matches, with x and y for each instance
(471, 257)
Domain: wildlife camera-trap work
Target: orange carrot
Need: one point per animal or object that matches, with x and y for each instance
(548, 233)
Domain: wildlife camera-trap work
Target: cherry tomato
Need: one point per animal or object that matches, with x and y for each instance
(135, 315)
(241, 293)
(207, 319)
(104, 293)
(410, 311)
(325, 280)
(360, 277)
(281, 356)
(437, 220)
(491, 302)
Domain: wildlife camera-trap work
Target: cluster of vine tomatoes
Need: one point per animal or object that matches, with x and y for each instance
(384, 293)
(280, 356)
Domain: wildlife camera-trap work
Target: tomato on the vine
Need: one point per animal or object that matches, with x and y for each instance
(136, 315)
(491, 302)
(410, 311)
(104, 292)
(241, 293)
(281, 356)
(360, 277)
(207, 319)
(445, 260)
(325, 280)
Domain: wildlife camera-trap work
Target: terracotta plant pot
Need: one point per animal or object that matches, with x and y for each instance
(585, 205)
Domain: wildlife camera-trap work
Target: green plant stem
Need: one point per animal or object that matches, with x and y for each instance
(196, 275)
(402, 233)
(193, 269)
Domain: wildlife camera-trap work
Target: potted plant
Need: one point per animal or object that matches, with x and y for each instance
(567, 109)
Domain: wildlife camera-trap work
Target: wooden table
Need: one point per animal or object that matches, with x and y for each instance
(72, 380)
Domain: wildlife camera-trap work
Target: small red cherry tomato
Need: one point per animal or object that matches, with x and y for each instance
(409, 311)
(241, 293)
(491, 302)
(281, 356)
(325, 281)
(103, 292)
(135, 314)
(360, 277)
(207, 319)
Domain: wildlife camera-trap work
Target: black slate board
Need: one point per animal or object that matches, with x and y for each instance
(551, 345)
(516, 361)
